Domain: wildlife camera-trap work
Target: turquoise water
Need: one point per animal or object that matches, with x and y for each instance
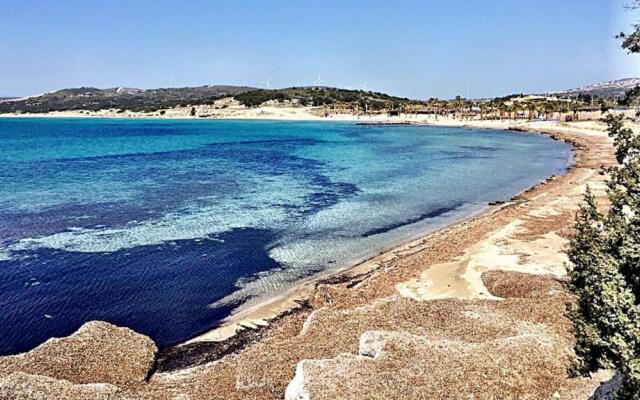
(168, 226)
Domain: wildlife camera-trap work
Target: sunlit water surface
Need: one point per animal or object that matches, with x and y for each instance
(168, 226)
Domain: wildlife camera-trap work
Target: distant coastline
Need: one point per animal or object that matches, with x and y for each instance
(319, 103)
(298, 113)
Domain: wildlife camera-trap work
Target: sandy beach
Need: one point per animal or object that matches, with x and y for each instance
(482, 299)
(359, 200)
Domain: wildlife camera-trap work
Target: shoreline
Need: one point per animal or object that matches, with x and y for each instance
(262, 313)
(483, 297)
(309, 114)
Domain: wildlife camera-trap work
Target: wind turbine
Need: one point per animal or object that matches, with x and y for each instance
(267, 82)
(364, 87)
(319, 81)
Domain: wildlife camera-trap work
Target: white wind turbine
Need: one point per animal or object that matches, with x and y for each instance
(364, 87)
(319, 81)
(267, 82)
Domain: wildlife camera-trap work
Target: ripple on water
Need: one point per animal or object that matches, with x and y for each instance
(167, 226)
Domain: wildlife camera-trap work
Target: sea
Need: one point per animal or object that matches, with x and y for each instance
(169, 226)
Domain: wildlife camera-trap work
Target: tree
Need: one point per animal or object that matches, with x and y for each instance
(605, 271)
(624, 195)
(631, 97)
(631, 43)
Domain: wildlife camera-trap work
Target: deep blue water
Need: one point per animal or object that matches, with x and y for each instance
(167, 226)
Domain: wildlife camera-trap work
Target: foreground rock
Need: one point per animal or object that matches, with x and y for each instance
(98, 353)
(401, 365)
(35, 387)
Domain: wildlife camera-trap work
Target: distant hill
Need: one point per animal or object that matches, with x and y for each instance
(320, 95)
(151, 100)
(616, 88)
(88, 98)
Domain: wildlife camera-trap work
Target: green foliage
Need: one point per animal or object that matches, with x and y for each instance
(92, 99)
(631, 41)
(584, 98)
(319, 96)
(257, 97)
(507, 98)
(631, 97)
(605, 272)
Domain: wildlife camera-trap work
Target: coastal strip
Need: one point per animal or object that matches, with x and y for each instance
(473, 299)
(258, 316)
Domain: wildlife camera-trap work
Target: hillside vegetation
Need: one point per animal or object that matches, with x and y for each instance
(320, 95)
(334, 100)
(92, 99)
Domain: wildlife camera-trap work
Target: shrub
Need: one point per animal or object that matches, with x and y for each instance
(605, 271)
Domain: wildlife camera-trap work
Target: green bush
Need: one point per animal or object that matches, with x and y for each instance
(605, 271)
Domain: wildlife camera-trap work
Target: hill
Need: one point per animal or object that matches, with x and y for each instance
(150, 100)
(321, 95)
(93, 99)
(344, 100)
(616, 88)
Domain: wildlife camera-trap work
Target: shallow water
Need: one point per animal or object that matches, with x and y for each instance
(167, 226)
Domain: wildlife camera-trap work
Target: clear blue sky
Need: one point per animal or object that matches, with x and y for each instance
(411, 48)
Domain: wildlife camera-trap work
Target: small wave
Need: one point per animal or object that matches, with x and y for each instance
(171, 227)
(4, 255)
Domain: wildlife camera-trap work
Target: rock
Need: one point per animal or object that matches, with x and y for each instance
(398, 365)
(608, 389)
(98, 352)
(520, 285)
(296, 389)
(34, 387)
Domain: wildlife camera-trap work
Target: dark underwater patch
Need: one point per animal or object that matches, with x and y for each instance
(427, 215)
(159, 290)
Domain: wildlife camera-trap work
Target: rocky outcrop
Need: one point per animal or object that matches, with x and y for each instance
(608, 389)
(96, 353)
(35, 387)
(403, 366)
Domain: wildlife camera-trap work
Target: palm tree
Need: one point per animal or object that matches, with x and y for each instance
(512, 111)
(531, 109)
(502, 107)
(457, 105)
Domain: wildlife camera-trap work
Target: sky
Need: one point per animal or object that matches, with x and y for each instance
(417, 49)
